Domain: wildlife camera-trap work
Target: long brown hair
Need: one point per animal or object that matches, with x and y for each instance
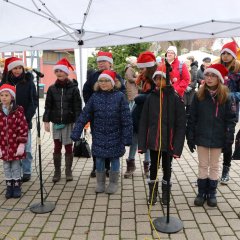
(233, 66)
(221, 93)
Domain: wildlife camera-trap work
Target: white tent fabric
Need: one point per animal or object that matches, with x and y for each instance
(52, 24)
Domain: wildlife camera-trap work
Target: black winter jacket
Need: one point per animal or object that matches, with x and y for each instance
(149, 128)
(26, 95)
(91, 80)
(63, 103)
(210, 124)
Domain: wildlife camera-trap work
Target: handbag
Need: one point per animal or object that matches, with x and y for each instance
(82, 149)
(236, 154)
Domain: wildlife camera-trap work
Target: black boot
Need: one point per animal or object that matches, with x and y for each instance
(225, 175)
(68, 165)
(93, 172)
(212, 191)
(152, 195)
(164, 199)
(131, 167)
(17, 192)
(9, 190)
(57, 158)
(202, 192)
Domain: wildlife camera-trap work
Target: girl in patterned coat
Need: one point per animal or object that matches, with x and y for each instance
(14, 135)
(112, 128)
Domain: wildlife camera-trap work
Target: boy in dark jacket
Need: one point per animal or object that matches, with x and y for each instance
(62, 107)
(153, 131)
(111, 130)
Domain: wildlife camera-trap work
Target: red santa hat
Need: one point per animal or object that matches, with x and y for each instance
(217, 69)
(12, 62)
(108, 74)
(161, 70)
(105, 56)
(172, 48)
(64, 65)
(231, 48)
(11, 89)
(146, 59)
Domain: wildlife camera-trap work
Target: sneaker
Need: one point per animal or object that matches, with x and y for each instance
(26, 177)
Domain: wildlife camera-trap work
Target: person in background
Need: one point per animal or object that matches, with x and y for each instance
(13, 132)
(62, 107)
(131, 77)
(104, 62)
(111, 128)
(179, 76)
(206, 62)
(210, 127)
(147, 65)
(232, 81)
(190, 91)
(26, 96)
(153, 130)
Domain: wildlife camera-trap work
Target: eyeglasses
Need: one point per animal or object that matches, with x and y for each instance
(104, 80)
(226, 53)
(211, 75)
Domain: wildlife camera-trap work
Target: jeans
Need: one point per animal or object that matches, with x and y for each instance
(27, 162)
(133, 149)
(12, 169)
(100, 164)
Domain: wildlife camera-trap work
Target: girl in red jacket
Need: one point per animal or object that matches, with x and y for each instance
(14, 135)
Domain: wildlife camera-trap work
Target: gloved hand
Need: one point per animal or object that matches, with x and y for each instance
(176, 156)
(0, 153)
(20, 149)
(47, 126)
(191, 145)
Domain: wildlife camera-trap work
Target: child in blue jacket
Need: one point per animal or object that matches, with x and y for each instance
(112, 128)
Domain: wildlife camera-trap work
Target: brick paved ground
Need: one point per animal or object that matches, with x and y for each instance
(81, 214)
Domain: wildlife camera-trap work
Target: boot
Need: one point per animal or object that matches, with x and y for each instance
(57, 158)
(164, 199)
(9, 191)
(146, 169)
(225, 175)
(202, 192)
(152, 195)
(131, 167)
(93, 172)
(212, 191)
(113, 182)
(17, 192)
(101, 178)
(68, 165)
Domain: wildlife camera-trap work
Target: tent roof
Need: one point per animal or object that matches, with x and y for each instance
(34, 25)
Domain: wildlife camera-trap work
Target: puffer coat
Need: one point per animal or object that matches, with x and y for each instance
(112, 124)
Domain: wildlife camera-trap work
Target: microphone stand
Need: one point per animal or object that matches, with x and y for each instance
(43, 207)
(168, 224)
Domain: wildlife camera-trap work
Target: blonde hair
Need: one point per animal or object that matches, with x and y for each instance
(233, 66)
(117, 86)
(221, 93)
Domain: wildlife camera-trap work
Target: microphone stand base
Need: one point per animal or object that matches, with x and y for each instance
(42, 208)
(174, 225)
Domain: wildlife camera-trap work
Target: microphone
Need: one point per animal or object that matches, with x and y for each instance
(39, 74)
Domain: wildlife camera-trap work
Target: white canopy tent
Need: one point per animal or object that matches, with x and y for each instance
(59, 24)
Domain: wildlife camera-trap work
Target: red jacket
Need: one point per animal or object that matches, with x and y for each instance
(13, 131)
(179, 81)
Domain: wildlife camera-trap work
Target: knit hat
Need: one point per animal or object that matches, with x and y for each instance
(11, 89)
(172, 48)
(108, 74)
(63, 65)
(105, 56)
(217, 69)
(231, 48)
(131, 60)
(207, 60)
(161, 70)
(12, 62)
(146, 59)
